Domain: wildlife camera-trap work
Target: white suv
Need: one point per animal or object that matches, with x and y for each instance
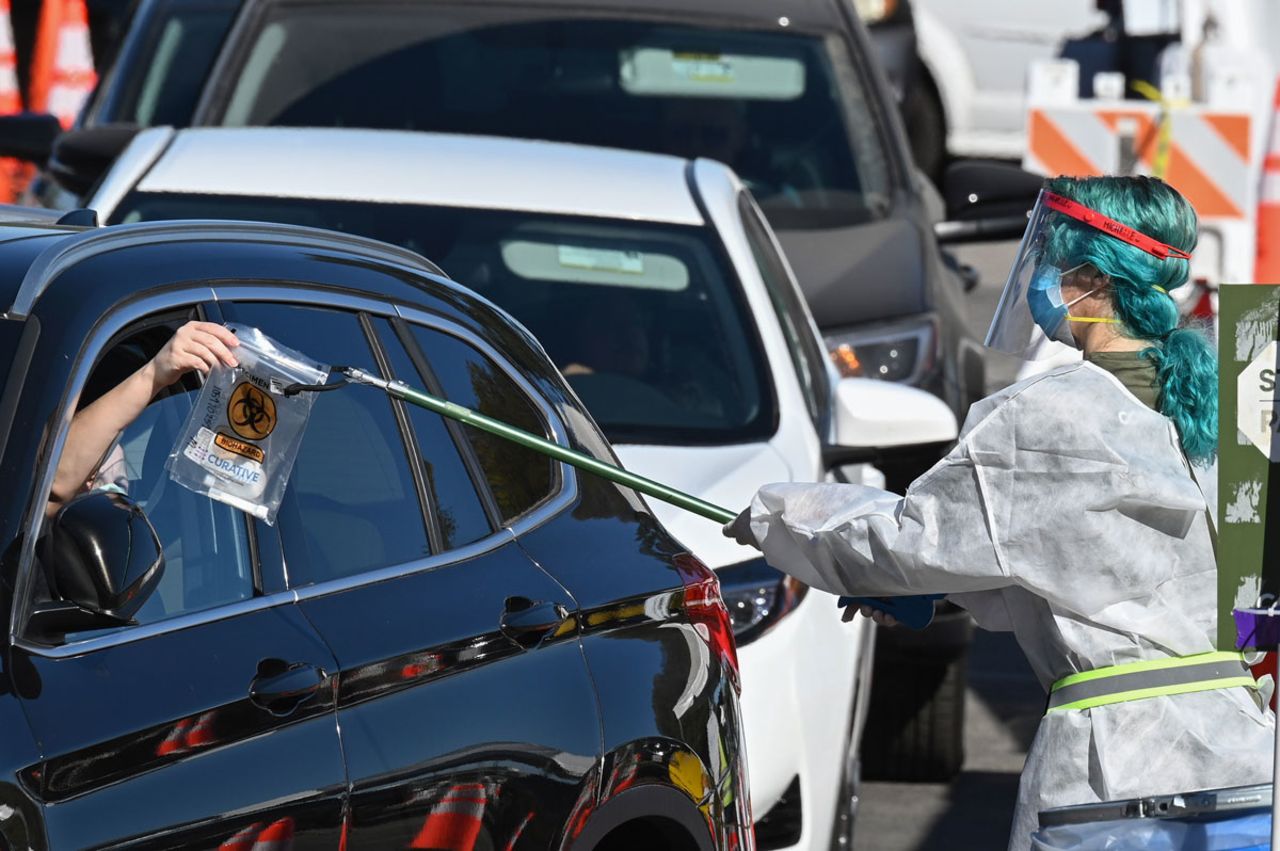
(657, 287)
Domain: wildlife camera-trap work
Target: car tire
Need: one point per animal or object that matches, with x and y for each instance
(926, 126)
(915, 727)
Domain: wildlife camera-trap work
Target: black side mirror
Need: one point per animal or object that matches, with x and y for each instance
(102, 559)
(28, 136)
(986, 200)
(81, 157)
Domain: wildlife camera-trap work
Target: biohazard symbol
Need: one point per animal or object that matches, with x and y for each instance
(251, 412)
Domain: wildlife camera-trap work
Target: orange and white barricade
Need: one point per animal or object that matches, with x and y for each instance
(1212, 155)
(1267, 270)
(14, 174)
(62, 75)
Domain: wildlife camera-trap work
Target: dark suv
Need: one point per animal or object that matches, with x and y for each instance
(445, 641)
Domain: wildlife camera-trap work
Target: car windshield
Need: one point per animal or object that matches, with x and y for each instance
(787, 111)
(164, 64)
(647, 321)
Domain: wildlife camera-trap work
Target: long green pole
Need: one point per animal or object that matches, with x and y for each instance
(582, 461)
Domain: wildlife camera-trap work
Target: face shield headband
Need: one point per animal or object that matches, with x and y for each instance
(1031, 308)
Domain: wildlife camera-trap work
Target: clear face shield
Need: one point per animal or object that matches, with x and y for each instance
(1032, 309)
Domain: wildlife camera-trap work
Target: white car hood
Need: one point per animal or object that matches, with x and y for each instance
(727, 476)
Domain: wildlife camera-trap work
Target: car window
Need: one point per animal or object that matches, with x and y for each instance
(788, 111)
(519, 478)
(802, 342)
(647, 321)
(205, 543)
(460, 516)
(171, 65)
(351, 504)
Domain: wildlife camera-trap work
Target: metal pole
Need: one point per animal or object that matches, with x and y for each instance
(617, 475)
(1275, 767)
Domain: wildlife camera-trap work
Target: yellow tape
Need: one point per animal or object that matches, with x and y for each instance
(1164, 135)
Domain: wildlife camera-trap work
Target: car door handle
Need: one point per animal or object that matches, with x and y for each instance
(527, 622)
(280, 687)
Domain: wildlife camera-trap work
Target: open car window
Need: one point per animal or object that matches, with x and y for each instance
(207, 554)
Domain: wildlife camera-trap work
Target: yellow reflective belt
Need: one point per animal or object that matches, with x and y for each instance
(1150, 678)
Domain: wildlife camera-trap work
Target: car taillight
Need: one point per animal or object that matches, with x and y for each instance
(758, 597)
(706, 609)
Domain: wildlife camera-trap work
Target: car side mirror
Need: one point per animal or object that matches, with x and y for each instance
(986, 200)
(880, 420)
(80, 158)
(28, 136)
(102, 559)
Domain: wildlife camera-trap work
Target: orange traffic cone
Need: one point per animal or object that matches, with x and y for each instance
(1267, 268)
(176, 741)
(13, 173)
(277, 837)
(455, 820)
(201, 734)
(62, 73)
(243, 839)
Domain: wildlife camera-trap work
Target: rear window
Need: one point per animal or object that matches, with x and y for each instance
(787, 111)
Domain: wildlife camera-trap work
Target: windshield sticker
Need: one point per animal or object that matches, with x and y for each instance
(607, 260)
(663, 71)
(702, 67)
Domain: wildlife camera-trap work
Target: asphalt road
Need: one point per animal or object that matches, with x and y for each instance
(1004, 701)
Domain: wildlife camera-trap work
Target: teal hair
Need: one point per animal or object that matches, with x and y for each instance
(1186, 365)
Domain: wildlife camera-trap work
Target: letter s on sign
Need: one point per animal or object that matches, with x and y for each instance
(1268, 383)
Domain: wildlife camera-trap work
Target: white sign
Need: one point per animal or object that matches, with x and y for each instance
(1257, 412)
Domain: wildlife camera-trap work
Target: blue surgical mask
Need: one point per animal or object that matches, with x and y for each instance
(1044, 298)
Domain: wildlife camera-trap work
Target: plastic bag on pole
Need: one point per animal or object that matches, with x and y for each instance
(240, 442)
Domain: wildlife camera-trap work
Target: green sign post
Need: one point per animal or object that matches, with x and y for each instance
(1248, 457)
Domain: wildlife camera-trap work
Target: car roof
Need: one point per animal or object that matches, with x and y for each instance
(33, 256)
(813, 14)
(20, 244)
(404, 167)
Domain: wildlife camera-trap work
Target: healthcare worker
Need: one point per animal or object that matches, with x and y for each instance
(1074, 511)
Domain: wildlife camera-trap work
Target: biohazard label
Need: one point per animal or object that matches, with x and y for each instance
(251, 413)
(239, 447)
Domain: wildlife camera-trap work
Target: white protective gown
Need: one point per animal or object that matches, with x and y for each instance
(1067, 514)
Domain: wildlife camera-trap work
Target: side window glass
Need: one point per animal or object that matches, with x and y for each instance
(792, 316)
(351, 504)
(205, 543)
(451, 492)
(518, 478)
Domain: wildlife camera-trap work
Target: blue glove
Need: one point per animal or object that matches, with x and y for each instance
(914, 612)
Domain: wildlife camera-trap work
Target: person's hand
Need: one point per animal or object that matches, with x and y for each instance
(739, 528)
(881, 618)
(195, 346)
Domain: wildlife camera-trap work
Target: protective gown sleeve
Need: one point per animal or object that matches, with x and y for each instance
(853, 539)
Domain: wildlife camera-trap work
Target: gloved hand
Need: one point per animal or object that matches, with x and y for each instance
(739, 528)
(881, 618)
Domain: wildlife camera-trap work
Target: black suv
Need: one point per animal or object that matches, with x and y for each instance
(444, 641)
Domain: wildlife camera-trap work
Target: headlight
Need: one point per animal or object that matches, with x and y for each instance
(757, 596)
(898, 352)
(875, 11)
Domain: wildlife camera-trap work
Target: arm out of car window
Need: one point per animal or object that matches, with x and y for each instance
(194, 346)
